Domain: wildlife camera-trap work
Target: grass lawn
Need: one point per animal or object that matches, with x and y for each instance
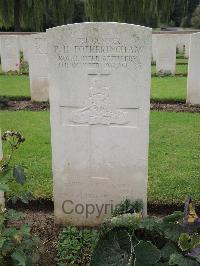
(168, 88)
(14, 85)
(163, 88)
(35, 152)
(174, 156)
(181, 60)
(181, 66)
(180, 69)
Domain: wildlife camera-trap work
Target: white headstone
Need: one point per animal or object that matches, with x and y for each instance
(182, 42)
(154, 47)
(37, 58)
(24, 45)
(10, 54)
(187, 45)
(0, 45)
(193, 86)
(2, 199)
(166, 54)
(180, 48)
(99, 97)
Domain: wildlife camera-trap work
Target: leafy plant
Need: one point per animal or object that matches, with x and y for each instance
(128, 206)
(10, 172)
(17, 245)
(75, 246)
(3, 102)
(23, 67)
(130, 239)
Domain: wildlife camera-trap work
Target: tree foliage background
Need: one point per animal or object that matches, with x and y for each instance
(38, 15)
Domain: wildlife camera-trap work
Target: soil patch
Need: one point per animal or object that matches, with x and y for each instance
(41, 219)
(42, 224)
(27, 105)
(160, 106)
(175, 107)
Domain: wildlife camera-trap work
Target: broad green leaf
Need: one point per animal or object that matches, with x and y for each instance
(161, 264)
(13, 215)
(167, 250)
(171, 231)
(128, 220)
(4, 187)
(195, 242)
(10, 232)
(184, 242)
(26, 197)
(19, 174)
(198, 258)
(25, 229)
(19, 257)
(180, 260)
(112, 249)
(148, 224)
(2, 241)
(174, 217)
(146, 254)
(35, 257)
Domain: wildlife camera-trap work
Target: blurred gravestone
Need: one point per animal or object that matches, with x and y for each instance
(37, 59)
(10, 53)
(193, 87)
(166, 54)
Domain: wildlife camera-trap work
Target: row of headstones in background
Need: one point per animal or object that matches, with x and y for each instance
(34, 50)
(37, 58)
(164, 47)
(9, 51)
(164, 53)
(99, 81)
(193, 82)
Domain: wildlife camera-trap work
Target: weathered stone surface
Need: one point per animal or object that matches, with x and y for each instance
(154, 47)
(99, 76)
(24, 45)
(193, 86)
(180, 47)
(183, 43)
(10, 54)
(166, 54)
(38, 67)
(187, 45)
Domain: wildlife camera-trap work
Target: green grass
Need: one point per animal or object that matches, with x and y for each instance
(35, 152)
(174, 154)
(181, 60)
(181, 66)
(181, 69)
(174, 157)
(14, 86)
(163, 89)
(168, 88)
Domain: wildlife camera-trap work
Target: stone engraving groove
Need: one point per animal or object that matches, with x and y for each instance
(99, 108)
